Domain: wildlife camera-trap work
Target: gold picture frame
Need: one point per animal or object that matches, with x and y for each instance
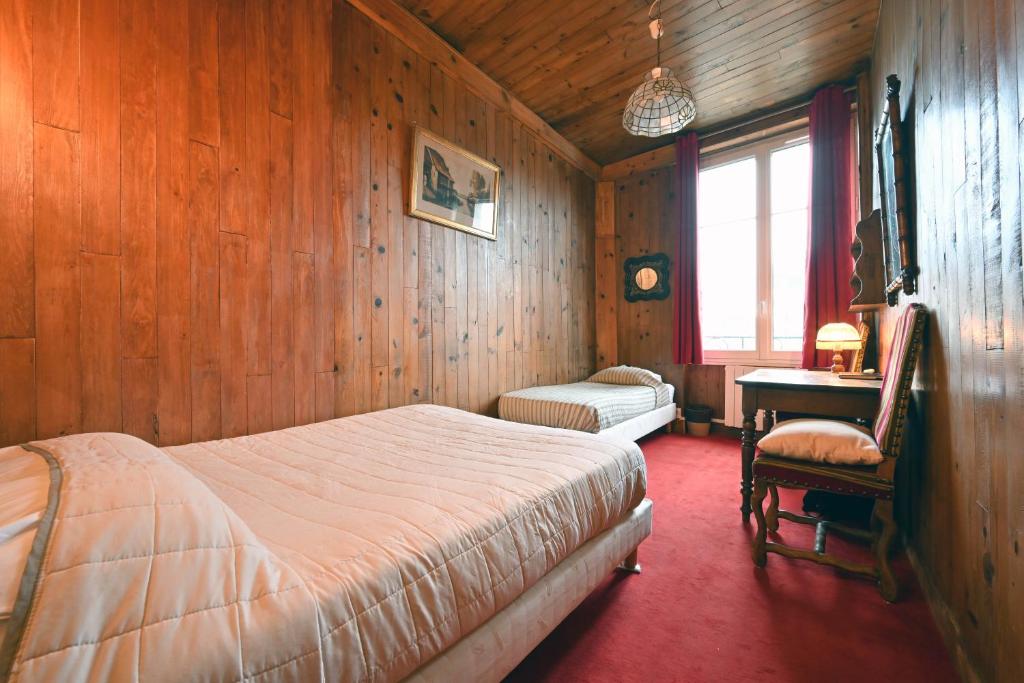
(452, 186)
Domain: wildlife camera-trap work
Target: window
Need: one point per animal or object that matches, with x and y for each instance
(752, 248)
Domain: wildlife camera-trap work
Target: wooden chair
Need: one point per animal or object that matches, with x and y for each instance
(871, 481)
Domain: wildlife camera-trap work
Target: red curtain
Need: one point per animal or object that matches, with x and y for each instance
(830, 228)
(686, 341)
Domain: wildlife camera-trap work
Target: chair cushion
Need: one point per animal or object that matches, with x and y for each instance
(829, 441)
(857, 480)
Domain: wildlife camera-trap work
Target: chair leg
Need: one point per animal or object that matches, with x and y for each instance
(876, 530)
(887, 584)
(760, 552)
(772, 518)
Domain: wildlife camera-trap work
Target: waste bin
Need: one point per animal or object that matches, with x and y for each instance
(698, 420)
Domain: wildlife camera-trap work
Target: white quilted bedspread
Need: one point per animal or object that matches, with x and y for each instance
(354, 550)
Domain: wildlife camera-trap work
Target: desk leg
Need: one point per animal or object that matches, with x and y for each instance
(747, 449)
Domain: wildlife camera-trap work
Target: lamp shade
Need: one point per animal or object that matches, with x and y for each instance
(838, 337)
(661, 105)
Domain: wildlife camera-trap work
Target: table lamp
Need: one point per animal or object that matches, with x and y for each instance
(838, 337)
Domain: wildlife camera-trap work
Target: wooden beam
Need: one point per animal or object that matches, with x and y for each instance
(420, 38)
(605, 273)
(647, 161)
(757, 129)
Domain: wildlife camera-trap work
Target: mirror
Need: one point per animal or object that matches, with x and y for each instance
(894, 170)
(646, 278)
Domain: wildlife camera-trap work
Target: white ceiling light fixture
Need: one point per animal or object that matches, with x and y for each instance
(662, 104)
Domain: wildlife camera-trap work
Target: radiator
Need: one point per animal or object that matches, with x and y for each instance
(734, 396)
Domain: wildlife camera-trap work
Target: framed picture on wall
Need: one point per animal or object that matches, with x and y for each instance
(453, 186)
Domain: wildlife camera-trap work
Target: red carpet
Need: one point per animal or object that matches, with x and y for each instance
(701, 611)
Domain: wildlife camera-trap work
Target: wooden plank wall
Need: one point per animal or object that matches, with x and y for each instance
(962, 67)
(646, 210)
(202, 207)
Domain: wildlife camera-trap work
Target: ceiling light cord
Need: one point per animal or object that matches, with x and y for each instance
(659, 43)
(660, 30)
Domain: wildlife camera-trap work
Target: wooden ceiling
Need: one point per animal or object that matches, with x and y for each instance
(575, 62)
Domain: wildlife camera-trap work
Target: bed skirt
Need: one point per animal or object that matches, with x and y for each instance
(641, 425)
(494, 649)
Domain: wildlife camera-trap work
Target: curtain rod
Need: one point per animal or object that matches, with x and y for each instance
(795, 107)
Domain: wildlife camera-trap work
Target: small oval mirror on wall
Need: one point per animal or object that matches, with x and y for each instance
(646, 277)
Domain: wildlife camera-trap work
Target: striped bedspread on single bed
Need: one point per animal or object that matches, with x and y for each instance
(583, 406)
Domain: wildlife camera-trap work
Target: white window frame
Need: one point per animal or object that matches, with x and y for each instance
(761, 152)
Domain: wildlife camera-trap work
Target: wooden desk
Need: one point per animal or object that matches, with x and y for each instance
(798, 391)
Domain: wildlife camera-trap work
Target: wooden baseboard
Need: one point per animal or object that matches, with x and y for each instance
(944, 619)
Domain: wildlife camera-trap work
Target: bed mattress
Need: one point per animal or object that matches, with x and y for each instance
(582, 406)
(355, 549)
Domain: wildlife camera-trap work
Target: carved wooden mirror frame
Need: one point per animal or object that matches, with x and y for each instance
(660, 289)
(897, 224)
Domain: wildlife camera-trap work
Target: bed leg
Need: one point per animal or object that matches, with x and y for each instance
(668, 428)
(630, 564)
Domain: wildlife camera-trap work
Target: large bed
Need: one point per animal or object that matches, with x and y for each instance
(420, 542)
(621, 402)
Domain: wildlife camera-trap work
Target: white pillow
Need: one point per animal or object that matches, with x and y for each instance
(626, 374)
(831, 441)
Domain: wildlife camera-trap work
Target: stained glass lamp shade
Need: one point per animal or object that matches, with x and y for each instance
(661, 105)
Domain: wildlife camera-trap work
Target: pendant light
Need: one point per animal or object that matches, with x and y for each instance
(662, 104)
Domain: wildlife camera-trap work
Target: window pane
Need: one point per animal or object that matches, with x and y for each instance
(727, 193)
(727, 256)
(790, 185)
(790, 178)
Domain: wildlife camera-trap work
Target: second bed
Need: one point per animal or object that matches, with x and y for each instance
(620, 402)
